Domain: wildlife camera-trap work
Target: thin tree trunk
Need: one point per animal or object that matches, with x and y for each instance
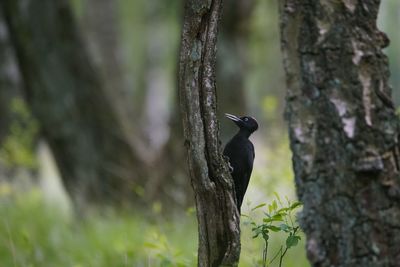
(148, 128)
(343, 131)
(169, 183)
(102, 34)
(218, 217)
(69, 101)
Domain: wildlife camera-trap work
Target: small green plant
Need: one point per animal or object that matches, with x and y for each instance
(278, 217)
(162, 250)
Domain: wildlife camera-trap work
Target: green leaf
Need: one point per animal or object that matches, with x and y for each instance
(284, 227)
(270, 208)
(258, 206)
(274, 205)
(256, 231)
(295, 205)
(282, 213)
(267, 220)
(273, 228)
(277, 197)
(277, 217)
(292, 241)
(282, 210)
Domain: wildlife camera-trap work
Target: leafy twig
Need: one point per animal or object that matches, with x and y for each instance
(273, 216)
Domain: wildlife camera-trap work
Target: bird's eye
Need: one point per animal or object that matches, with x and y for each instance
(246, 119)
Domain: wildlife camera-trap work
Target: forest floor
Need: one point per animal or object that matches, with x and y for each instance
(34, 233)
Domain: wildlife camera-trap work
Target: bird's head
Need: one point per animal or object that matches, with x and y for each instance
(249, 124)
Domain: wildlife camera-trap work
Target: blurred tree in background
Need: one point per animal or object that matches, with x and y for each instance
(232, 58)
(17, 128)
(67, 97)
(102, 147)
(146, 108)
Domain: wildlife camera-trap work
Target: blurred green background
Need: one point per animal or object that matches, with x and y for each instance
(134, 46)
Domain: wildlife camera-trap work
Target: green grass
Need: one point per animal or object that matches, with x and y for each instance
(33, 233)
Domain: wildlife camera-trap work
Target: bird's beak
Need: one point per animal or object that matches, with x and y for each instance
(232, 117)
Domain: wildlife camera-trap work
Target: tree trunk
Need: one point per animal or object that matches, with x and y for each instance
(343, 131)
(218, 217)
(102, 34)
(69, 101)
(168, 182)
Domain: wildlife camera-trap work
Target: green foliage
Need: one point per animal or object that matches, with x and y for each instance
(32, 233)
(78, 7)
(270, 105)
(278, 218)
(160, 248)
(17, 148)
(273, 171)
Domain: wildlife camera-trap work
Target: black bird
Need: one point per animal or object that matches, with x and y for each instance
(240, 152)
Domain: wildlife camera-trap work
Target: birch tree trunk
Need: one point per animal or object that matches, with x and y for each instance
(218, 217)
(343, 131)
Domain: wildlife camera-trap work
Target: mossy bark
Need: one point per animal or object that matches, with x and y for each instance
(218, 217)
(343, 131)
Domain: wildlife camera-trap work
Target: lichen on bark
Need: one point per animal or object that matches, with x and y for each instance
(343, 131)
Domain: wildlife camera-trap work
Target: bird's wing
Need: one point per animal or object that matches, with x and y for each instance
(246, 175)
(251, 157)
(252, 150)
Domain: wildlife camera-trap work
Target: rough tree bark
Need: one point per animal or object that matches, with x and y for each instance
(67, 97)
(343, 131)
(218, 217)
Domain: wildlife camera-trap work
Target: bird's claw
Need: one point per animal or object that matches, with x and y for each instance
(229, 164)
(230, 167)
